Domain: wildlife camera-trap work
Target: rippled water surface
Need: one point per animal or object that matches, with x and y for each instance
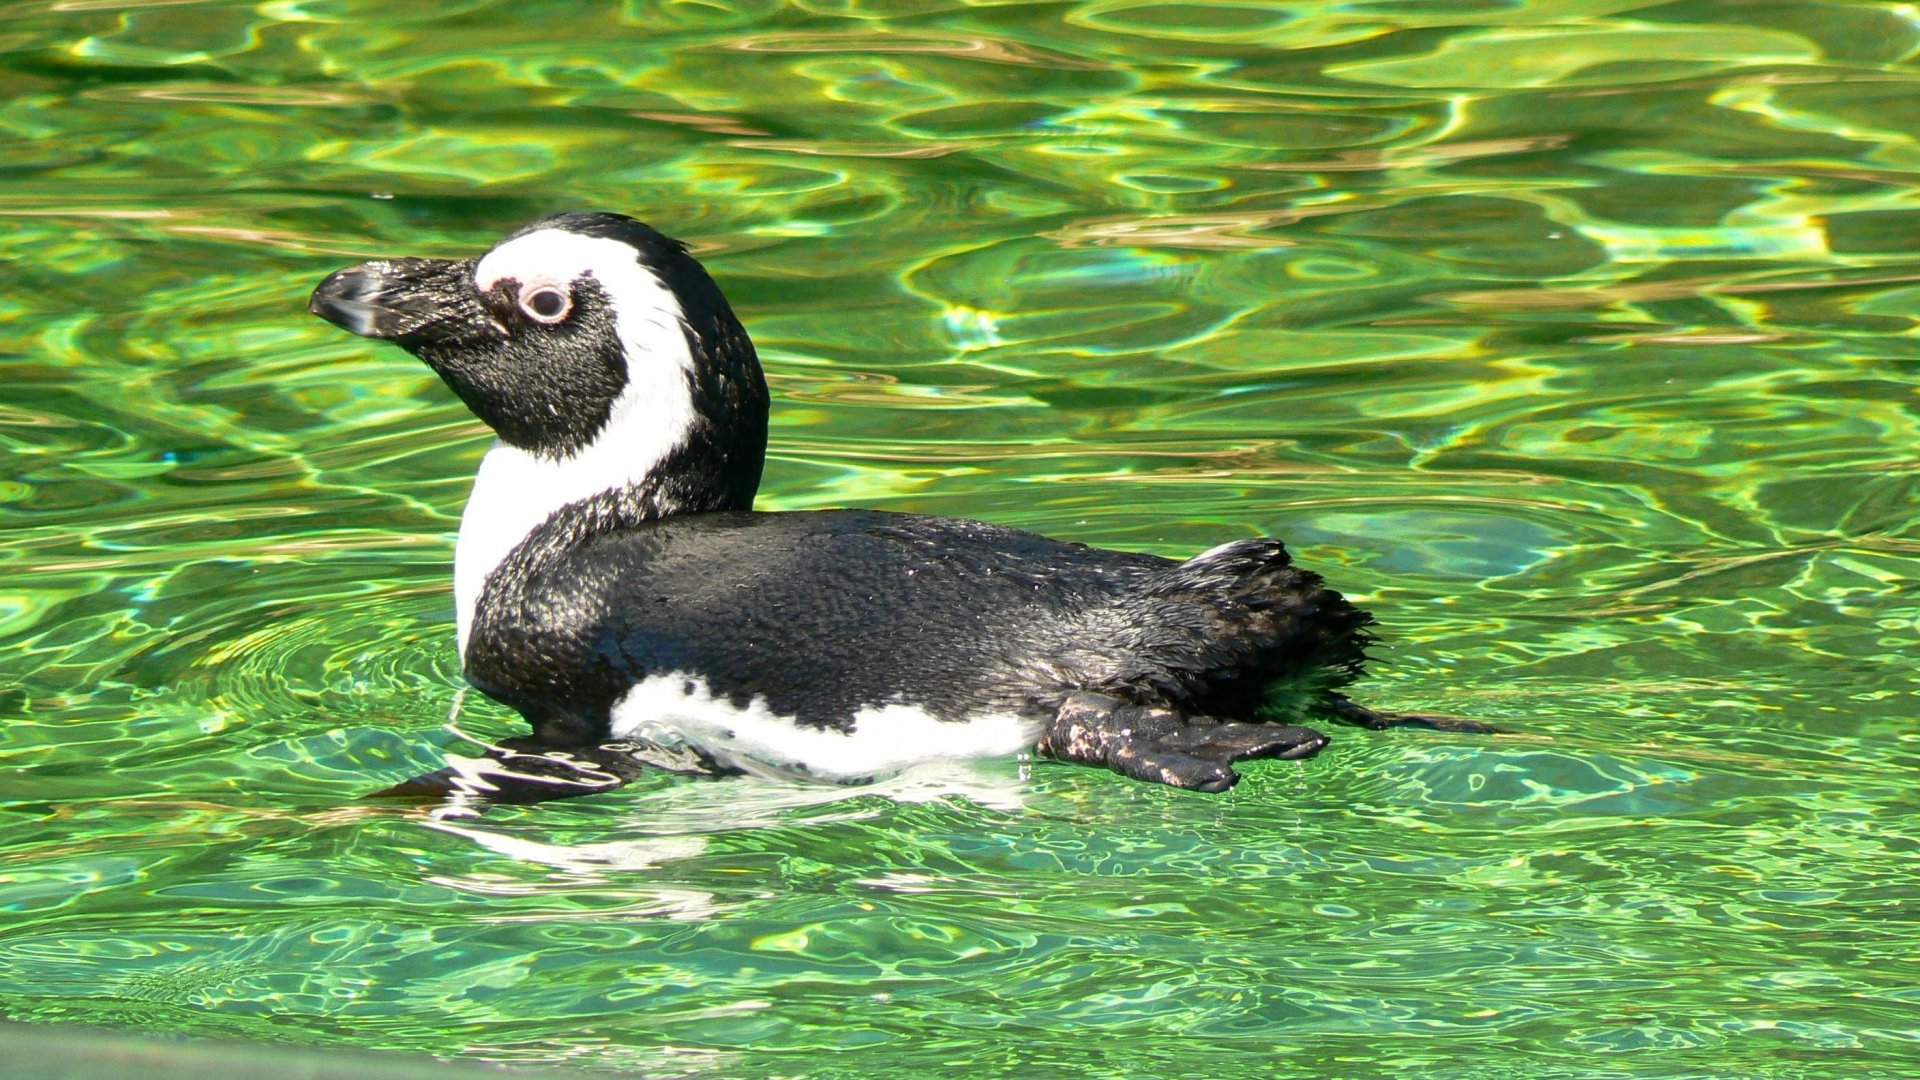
(1575, 337)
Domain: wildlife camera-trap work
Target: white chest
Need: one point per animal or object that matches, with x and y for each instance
(513, 493)
(516, 491)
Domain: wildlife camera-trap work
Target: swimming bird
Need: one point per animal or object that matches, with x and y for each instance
(614, 584)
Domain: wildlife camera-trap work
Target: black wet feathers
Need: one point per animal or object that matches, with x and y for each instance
(820, 614)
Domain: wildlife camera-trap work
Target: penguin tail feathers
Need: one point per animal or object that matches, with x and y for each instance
(1239, 631)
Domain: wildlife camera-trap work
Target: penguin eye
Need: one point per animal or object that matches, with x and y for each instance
(545, 303)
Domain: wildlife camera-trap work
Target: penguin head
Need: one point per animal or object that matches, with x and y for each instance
(578, 330)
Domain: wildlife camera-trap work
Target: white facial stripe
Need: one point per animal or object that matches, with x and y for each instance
(557, 257)
(516, 490)
(885, 739)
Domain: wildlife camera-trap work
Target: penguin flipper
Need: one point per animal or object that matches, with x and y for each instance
(523, 771)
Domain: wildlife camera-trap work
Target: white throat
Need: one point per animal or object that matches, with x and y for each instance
(516, 490)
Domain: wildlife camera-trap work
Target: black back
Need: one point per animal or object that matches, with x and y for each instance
(819, 614)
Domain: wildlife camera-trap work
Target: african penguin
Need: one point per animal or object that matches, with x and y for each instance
(614, 585)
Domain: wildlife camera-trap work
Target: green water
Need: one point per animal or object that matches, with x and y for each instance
(1576, 338)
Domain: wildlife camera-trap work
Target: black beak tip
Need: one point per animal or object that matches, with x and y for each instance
(324, 293)
(341, 299)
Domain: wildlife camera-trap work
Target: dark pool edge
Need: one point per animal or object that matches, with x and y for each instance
(79, 1052)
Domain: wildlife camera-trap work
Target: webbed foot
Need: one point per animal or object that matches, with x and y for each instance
(1345, 709)
(1164, 747)
(1229, 741)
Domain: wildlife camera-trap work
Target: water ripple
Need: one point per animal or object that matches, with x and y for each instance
(1573, 338)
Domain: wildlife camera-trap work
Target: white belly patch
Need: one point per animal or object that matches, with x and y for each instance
(678, 710)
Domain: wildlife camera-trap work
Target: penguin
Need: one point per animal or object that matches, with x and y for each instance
(615, 586)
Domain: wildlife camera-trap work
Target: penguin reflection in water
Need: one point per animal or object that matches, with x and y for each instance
(615, 586)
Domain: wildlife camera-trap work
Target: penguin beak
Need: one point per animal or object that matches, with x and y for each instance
(410, 302)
